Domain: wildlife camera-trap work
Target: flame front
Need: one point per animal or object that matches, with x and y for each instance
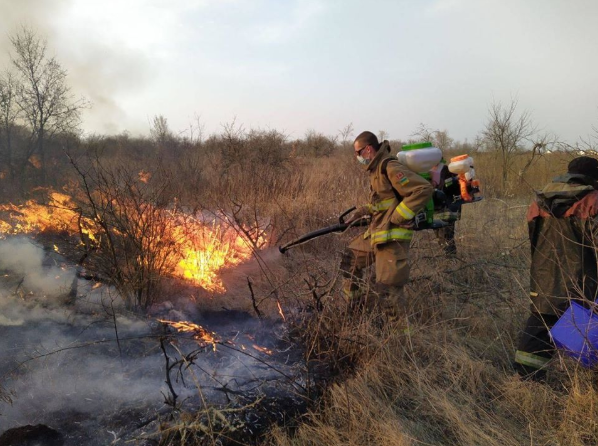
(58, 215)
(200, 251)
(206, 250)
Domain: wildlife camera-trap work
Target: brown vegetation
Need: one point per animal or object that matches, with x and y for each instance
(443, 376)
(440, 376)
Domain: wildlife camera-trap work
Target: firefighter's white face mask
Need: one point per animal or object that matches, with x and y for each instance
(362, 160)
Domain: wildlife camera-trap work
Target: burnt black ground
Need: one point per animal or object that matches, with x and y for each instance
(64, 368)
(228, 378)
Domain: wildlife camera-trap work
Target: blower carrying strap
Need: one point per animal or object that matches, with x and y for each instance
(385, 173)
(420, 220)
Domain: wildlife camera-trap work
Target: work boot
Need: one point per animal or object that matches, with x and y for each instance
(351, 291)
(450, 249)
(530, 374)
(390, 301)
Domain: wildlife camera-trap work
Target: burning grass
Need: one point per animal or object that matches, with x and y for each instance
(206, 249)
(441, 376)
(58, 215)
(200, 334)
(187, 247)
(107, 374)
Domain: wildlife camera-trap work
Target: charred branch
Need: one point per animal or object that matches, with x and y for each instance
(170, 399)
(253, 301)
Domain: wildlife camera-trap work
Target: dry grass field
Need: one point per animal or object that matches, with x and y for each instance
(145, 216)
(442, 374)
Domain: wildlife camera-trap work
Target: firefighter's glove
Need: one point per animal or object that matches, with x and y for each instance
(358, 213)
(409, 224)
(421, 219)
(416, 222)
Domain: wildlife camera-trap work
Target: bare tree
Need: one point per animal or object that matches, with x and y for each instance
(43, 96)
(160, 131)
(439, 138)
(442, 140)
(542, 144)
(423, 132)
(9, 113)
(505, 134)
(196, 130)
(382, 135)
(346, 133)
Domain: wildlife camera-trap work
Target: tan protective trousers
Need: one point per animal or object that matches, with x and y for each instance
(392, 272)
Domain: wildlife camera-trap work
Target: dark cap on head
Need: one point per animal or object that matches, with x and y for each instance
(584, 165)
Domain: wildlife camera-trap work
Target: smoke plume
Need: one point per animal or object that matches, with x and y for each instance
(97, 71)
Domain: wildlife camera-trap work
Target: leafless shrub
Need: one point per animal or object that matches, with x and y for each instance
(346, 135)
(315, 145)
(131, 232)
(439, 138)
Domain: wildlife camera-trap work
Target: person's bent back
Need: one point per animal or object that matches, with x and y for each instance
(562, 228)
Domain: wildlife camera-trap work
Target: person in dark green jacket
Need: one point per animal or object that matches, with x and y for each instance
(562, 226)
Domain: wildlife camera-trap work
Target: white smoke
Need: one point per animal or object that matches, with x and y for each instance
(22, 257)
(10, 322)
(263, 266)
(59, 356)
(98, 71)
(63, 361)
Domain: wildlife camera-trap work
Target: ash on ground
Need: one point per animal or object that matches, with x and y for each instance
(97, 374)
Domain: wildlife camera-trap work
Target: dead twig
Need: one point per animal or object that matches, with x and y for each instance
(19, 286)
(169, 399)
(253, 301)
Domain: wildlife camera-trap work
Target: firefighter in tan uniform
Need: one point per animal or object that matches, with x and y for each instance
(397, 195)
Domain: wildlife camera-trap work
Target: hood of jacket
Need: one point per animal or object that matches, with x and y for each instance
(382, 153)
(564, 191)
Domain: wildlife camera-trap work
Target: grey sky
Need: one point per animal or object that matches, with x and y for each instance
(294, 65)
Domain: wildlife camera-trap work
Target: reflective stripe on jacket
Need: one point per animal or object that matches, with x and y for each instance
(396, 197)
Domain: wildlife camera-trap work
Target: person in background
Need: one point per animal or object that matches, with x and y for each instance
(448, 210)
(562, 226)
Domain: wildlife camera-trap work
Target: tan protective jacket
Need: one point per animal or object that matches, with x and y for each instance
(390, 210)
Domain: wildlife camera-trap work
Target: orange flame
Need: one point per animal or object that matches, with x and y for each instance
(144, 176)
(201, 250)
(57, 215)
(208, 249)
(5, 228)
(280, 311)
(265, 350)
(35, 161)
(201, 335)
